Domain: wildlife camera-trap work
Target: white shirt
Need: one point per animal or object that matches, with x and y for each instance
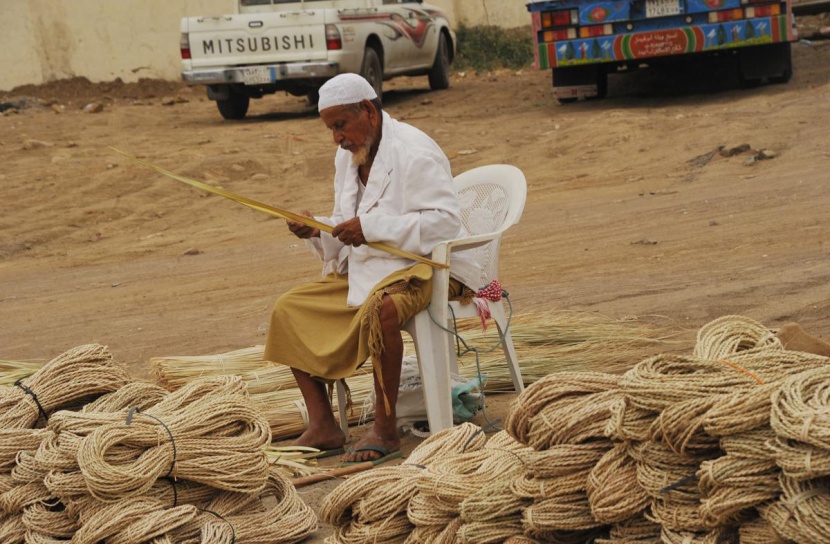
(409, 202)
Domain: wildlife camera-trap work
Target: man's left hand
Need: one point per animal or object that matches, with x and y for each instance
(350, 232)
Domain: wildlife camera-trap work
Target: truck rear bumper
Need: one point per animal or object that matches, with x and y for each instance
(261, 74)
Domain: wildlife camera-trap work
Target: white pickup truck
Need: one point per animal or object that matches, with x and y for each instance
(296, 45)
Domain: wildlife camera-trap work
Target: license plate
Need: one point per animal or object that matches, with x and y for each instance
(661, 8)
(256, 75)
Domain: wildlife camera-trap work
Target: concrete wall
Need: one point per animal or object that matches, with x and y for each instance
(47, 40)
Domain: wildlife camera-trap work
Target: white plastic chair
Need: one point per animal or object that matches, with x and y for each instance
(492, 200)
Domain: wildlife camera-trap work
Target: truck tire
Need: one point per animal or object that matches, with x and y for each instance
(439, 74)
(372, 70)
(233, 107)
(786, 59)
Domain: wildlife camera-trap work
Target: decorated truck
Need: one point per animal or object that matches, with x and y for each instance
(582, 41)
(297, 45)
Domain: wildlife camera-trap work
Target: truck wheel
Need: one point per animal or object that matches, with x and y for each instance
(786, 59)
(233, 107)
(439, 74)
(372, 70)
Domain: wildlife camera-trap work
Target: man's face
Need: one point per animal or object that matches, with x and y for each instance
(352, 128)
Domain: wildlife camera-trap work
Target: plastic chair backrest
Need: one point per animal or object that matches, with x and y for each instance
(492, 199)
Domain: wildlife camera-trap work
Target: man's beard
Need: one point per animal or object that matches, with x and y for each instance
(361, 156)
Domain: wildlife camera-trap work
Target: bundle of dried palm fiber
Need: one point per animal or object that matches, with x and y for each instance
(71, 378)
(11, 371)
(373, 505)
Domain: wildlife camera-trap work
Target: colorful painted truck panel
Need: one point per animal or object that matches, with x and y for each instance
(583, 40)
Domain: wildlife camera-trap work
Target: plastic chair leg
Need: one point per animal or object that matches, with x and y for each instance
(432, 349)
(497, 311)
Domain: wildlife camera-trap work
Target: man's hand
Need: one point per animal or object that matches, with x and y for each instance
(303, 231)
(349, 232)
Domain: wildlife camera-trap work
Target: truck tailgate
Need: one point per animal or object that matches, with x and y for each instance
(257, 38)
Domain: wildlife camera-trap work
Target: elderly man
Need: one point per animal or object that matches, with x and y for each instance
(392, 185)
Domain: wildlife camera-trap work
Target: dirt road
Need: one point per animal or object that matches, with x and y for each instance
(625, 214)
(631, 211)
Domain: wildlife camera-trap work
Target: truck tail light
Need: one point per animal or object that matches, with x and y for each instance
(559, 18)
(184, 45)
(726, 15)
(558, 35)
(763, 11)
(333, 39)
(596, 30)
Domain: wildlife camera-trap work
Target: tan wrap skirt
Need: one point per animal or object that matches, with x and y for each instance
(313, 330)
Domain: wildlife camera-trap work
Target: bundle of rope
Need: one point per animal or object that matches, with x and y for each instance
(79, 374)
(635, 530)
(372, 506)
(563, 408)
(470, 492)
(691, 448)
(208, 435)
(213, 436)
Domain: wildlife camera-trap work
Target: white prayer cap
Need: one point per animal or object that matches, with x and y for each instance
(344, 89)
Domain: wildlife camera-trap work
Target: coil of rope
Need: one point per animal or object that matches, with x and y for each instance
(78, 374)
(215, 439)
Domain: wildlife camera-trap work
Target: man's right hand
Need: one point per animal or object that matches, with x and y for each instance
(301, 230)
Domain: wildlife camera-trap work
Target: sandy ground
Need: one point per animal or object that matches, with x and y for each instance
(625, 215)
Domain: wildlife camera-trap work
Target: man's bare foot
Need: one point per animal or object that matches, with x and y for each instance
(322, 438)
(372, 438)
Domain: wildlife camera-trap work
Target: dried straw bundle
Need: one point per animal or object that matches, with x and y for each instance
(80, 373)
(174, 372)
(207, 432)
(11, 371)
